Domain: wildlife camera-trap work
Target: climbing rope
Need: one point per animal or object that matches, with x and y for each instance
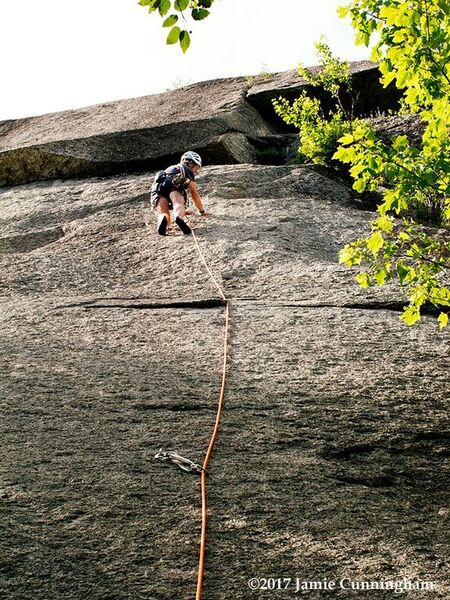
(216, 425)
(207, 267)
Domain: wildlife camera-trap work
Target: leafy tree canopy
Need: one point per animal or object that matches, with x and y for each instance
(176, 13)
(413, 50)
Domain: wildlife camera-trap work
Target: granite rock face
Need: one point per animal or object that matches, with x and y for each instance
(228, 120)
(390, 126)
(131, 135)
(332, 457)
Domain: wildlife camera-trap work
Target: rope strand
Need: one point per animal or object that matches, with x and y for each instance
(212, 441)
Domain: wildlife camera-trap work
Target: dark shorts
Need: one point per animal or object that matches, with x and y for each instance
(163, 190)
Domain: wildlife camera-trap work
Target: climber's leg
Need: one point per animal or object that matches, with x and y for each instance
(178, 201)
(164, 215)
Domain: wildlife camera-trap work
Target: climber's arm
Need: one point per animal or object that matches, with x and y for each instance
(196, 198)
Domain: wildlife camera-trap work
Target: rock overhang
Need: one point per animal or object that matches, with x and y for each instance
(229, 120)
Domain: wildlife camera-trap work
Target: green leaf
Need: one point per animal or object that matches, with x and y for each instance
(400, 35)
(390, 14)
(418, 297)
(385, 223)
(400, 142)
(359, 185)
(402, 272)
(371, 136)
(362, 38)
(363, 279)
(402, 79)
(174, 35)
(152, 4)
(382, 276)
(347, 256)
(443, 320)
(164, 7)
(388, 78)
(181, 5)
(205, 3)
(410, 315)
(346, 139)
(199, 13)
(375, 242)
(170, 21)
(185, 40)
(341, 154)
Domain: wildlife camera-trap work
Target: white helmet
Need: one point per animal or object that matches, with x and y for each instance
(191, 155)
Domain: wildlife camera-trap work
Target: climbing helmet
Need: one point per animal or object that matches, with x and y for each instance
(191, 155)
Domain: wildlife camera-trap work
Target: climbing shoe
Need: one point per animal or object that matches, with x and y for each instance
(162, 225)
(183, 226)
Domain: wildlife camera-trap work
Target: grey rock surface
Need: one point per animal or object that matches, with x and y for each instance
(331, 460)
(129, 135)
(388, 127)
(229, 120)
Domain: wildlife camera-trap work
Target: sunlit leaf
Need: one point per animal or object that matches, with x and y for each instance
(375, 242)
(174, 35)
(443, 320)
(185, 40)
(170, 21)
(164, 7)
(410, 315)
(181, 5)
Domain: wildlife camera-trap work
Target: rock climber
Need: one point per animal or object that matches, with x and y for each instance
(170, 191)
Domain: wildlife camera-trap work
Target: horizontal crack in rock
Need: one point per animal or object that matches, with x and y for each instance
(143, 304)
(170, 407)
(146, 305)
(371, 481)
(396, 306)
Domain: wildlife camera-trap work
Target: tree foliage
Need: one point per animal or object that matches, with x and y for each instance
(182, 12)
(334, 76)
(413, 50)
(320, 132)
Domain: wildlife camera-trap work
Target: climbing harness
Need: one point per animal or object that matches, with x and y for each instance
(216, 424)
(164, 182)
(184, 463)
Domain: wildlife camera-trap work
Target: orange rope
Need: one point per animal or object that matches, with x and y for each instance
(207, 268)
(215, 430)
